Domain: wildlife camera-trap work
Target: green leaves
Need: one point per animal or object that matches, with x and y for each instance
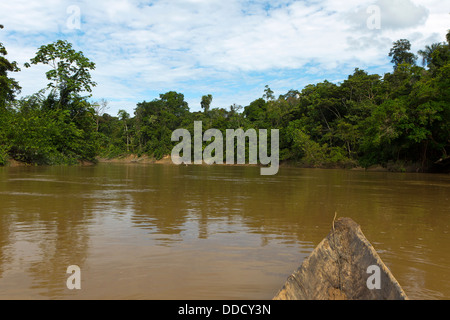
(69, 72)
(312, 153)
(59, 128)
(402, 116)
(156, 120)
(206, 102)
(427, 53)
(8, 86)
(401, 54)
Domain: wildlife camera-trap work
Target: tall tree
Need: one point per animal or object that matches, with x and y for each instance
(427, 53)
(99, 108)
(74, 136)
(268, 94)
(156, 120)
(401, 54)
(256, 111)
(124, 117)
(70, 70)
(9, 87)
(206, 102)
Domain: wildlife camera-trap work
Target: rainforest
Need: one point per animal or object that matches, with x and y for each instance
(399, 121)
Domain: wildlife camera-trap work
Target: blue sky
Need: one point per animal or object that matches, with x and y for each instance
(230, 49)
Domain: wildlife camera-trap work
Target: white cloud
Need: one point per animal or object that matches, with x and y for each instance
(394, 14)
(229, 47)
(33, 17)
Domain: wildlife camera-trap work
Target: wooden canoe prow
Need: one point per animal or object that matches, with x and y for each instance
(338, 270)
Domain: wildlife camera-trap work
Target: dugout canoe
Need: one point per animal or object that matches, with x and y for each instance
(341, 268)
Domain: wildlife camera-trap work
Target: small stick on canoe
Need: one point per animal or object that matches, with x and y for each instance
(339, 269)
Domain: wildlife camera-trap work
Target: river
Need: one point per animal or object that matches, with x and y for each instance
(142, 231)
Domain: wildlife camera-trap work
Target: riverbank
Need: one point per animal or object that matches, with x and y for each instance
(14, 163)
(390, 167)
(395, 167)
(132, 158)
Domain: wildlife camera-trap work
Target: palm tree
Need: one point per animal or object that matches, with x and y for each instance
(125, 116)
(427, 54)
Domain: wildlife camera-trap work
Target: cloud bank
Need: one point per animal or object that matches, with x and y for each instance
(230, 49)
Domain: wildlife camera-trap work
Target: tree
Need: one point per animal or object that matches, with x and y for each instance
(401, 54)
(99, 108)
(256, 110)
(69, 73)
(156, 120)
(235, 117)
(439, 58)
(124, 117)
(206, 102)
(9, 87)
(268, 94)
(173, 103)
(292, 95)
(427, 53)
(70, 135)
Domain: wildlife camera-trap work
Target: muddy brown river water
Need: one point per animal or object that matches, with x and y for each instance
(208, 232)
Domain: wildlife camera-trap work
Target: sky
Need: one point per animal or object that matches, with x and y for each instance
(231, 49)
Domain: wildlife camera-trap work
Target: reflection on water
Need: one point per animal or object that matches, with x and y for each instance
(200, 232)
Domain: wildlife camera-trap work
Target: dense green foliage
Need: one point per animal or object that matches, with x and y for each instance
(399, 119)
(55, 125)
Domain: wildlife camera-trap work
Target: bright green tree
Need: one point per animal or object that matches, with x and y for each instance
(156, 120)
(427, 53)
(206, 102)
(400, 53)
(268, 94)
(8, 86)
(125, 117)
(64, 121)
(70, 70)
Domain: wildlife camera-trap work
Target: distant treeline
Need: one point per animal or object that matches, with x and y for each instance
(398, 120)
